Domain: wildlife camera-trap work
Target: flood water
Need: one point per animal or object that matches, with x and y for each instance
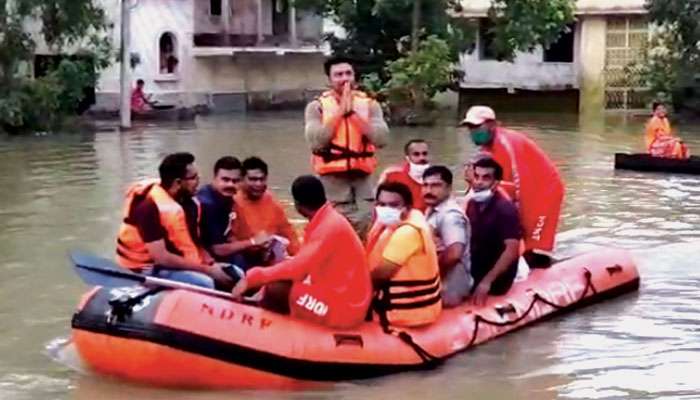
(60, 192)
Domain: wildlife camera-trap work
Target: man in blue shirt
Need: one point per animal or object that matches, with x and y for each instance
(218, 212)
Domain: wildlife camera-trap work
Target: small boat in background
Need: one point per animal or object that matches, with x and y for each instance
(165, 113)
(158, 113)
(648, 163)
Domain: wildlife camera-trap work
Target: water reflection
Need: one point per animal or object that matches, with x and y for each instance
(65, 191)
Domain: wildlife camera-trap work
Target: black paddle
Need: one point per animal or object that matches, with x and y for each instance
(98, 271)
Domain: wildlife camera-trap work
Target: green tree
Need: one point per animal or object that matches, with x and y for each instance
(376, 30)
(40, 103)
(672, 59)
(416, 78)
(408, 49)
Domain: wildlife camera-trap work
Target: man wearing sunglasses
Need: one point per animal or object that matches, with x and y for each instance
(159, 234)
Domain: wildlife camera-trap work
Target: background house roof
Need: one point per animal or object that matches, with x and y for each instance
(479, 8)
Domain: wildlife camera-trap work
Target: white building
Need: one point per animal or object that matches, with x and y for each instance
(225, 54)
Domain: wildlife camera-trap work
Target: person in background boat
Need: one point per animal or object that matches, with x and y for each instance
(261, 219)
(403, 260)
(410, 172)
(344, 128)
(538, 188)
(216, 200)
(330, 279)
(159, 235)
(452, 235)
(140, 103)
(659, 138)
(496, 233)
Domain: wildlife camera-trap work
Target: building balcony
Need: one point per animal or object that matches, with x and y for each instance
(256, 26)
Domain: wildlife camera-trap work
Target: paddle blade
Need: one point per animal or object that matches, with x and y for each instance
(99, 271)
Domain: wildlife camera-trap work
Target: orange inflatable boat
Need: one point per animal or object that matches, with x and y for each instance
(179, 338)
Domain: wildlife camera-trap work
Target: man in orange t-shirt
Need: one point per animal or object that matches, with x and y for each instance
(260, 218)
(330, 279)
(410, 172)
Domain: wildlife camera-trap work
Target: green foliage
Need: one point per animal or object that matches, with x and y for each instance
(378, 35)
(661, 65)
(682, 17)
(424, 73)
(376, 29)
(520, 25)
(672, 59)
(41, 103)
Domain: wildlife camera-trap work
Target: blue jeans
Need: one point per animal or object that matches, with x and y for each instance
(184, 276)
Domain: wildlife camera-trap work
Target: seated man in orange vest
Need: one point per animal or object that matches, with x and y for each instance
(344, 128)
(403, 260)
(260, 218)
(538, 190)
(159, 234)
(330, 279)
(410, 172)
(659, 138)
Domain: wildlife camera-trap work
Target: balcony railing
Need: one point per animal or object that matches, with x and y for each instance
(237, 40)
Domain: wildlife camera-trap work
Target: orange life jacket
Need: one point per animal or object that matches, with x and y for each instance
(350, 149)
(412, 296)
(131, 249)
(655, 128)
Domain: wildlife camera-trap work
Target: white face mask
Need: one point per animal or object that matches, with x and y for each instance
(481, 196)
(388, 216)
(415, 171)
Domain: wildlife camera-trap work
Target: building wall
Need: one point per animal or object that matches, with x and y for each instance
(527, 71)
(592, 64)
(244, 19)
(260, 78)
(240, 80)
(149, 20)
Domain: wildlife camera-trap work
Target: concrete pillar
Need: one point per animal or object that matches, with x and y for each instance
(226, 15)
(292, 25)
(592, 65)
(259, 20)
(125, 72)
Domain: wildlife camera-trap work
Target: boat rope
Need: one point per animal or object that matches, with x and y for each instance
(536, 298)
(427, 358)
(380, 307)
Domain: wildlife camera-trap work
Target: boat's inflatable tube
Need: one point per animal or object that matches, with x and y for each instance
(183, 339)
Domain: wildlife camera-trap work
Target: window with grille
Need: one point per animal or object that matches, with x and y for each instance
(626, 38)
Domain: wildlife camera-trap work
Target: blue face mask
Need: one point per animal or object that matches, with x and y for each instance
(481, 136)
